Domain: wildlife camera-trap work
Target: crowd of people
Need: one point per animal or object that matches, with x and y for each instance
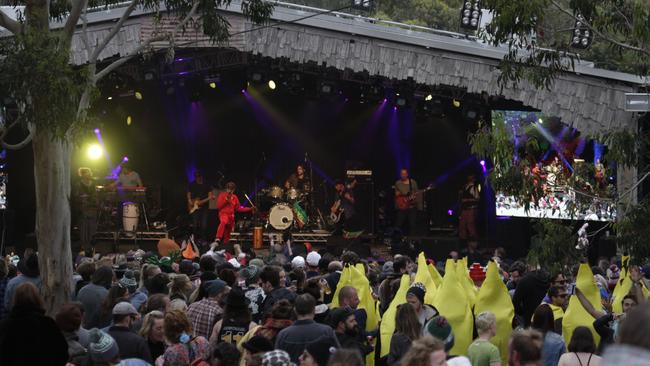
(306, 309)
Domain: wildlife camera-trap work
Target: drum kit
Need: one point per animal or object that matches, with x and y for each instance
(285, 207)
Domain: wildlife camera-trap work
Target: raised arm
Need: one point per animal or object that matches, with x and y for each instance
(587, 305)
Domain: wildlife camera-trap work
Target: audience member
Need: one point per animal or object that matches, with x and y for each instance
(582, 349)
(481, 352)
(153, 331)
(92, 296)
(130, 344)
(184, 348)
(204, 313)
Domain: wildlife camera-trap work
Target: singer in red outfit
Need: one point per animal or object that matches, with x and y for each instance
(228, 204)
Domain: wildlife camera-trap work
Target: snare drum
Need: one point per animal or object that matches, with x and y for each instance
(281, 216)
(275, 192)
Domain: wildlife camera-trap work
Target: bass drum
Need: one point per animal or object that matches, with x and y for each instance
(281, 216)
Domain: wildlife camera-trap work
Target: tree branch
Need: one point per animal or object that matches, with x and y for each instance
(114, 30)
(19, 145)
(169, 36)
(84, 34)
(601, 34)
(6, 130)
(78, 7)
(8, 23)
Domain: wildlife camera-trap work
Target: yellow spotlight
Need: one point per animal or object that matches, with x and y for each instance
(138, 95)
(213, 85)
(95, 151)
(541, 121)
(456, 103)
(129, 120)
(272, 85)
(428, 98)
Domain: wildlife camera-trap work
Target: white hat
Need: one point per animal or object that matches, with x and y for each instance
(234, 263)
(313, 258)
(298, 262)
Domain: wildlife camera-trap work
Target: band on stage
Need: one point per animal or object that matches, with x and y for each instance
(284, 208)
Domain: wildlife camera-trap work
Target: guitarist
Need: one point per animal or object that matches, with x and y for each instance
(343, 207)
(407, 202)
(198, 196)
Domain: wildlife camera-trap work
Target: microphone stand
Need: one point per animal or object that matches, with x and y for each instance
(310, 213)
(256, 188)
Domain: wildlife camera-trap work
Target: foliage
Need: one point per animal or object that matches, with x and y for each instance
(553, 246)
(47, 100)
(633, 231)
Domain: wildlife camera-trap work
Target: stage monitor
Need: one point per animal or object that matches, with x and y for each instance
(569, 169)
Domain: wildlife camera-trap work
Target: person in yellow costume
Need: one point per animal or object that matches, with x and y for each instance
(576, 314)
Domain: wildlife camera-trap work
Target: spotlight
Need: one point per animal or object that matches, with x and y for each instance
(95, 151)
(96, 131)
(272, 85)
(213, 85)
(129, 120)
(138, 95)
(109, 98)
(582, 36)
(470, 15)
(428, 98)
(450, 212)
(327, 88)
(125, 159)
(456, 103)
(541, 121)
(365, 5)
(482, 162)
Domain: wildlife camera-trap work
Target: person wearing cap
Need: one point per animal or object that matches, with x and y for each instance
(254, 349)
(68, 319)
(29, 272)
(415, 297)
(304, 330)
(236, 320)
(318, 353)
(298, 262)
(130, 344)
(204, 313)
(347, 331)
(313, 260)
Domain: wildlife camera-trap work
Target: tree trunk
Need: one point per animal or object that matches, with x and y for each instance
(52, 180)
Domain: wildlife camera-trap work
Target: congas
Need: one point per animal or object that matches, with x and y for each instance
(258, 237)
(130, 216)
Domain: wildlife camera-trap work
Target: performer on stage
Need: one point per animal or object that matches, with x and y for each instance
(298, 180)
(227, 204)
(128, 178)
(342, 211)
(198, 196)
(85, 194)
(469, 200)
(407, 202)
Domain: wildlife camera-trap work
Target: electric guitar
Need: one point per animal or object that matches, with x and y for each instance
(404, 202)
(336, 212)
(196, 203)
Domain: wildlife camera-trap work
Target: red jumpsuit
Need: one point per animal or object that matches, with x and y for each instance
(227, 209)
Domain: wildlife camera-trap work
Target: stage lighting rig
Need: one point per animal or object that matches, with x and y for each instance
(364, 5)
(582, 35)
(470, 15)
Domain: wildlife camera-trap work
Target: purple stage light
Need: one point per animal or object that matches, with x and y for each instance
(450, 212)
(483, 162)
(395, 108)
(125, 159)
(96, 130)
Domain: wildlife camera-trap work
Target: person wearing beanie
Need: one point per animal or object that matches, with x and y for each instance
(130, 344)
(27, 335)
(29, 272)
(313, 259)
(277, 357)
(415, 297)
(103, 349)
(318, 353)
(439, 328)
(204, 313)
(257, 262)
(92, 295)
(128, 281)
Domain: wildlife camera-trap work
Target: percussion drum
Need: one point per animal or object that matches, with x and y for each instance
(276, 192)
(293, 194)
(281, 216)
(258, 237)
(130, 216)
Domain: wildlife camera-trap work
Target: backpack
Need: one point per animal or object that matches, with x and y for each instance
(198, 361)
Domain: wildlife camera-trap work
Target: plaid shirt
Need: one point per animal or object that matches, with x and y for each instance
(203, 315)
